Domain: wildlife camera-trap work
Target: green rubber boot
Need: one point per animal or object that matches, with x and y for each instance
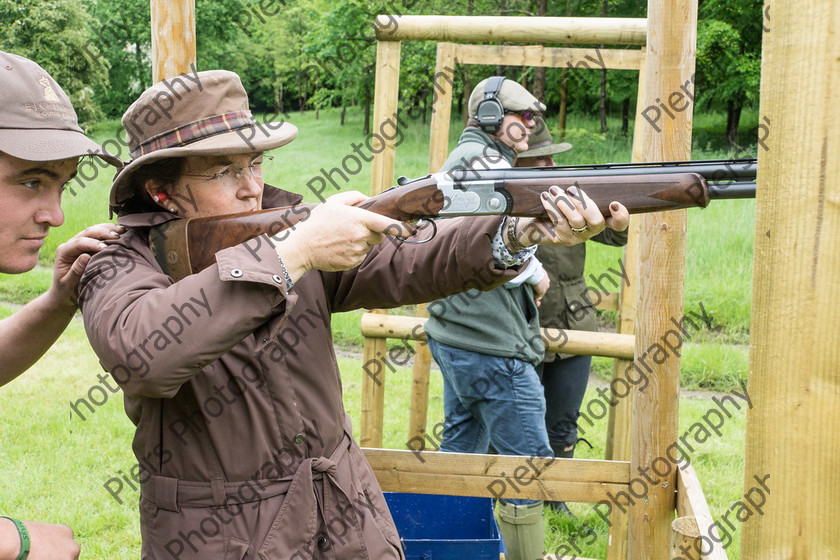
(522, 528)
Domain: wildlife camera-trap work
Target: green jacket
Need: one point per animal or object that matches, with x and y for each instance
(565, 305)
(504, 321)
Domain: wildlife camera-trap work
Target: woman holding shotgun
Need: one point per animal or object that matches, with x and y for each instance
(229, 374)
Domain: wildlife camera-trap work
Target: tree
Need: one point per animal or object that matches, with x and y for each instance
(729, 57)
(53, 34)
(120, 41)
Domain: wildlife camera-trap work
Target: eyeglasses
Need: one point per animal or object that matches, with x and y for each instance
(234, 172)
(524, 115)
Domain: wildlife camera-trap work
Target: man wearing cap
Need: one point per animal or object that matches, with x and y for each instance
(40, 145)
(564, 306)
(487, 343)
(229, 374)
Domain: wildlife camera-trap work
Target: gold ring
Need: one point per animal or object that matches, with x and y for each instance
(578, 231)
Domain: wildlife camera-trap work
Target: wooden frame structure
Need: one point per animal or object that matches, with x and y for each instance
(789, 263)
(665, 65)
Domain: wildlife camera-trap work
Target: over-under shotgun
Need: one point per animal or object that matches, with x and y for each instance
(187, 246)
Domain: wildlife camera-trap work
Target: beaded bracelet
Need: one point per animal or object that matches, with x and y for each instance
(515, 245)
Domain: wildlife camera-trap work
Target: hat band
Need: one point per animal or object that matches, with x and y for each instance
(195, 131)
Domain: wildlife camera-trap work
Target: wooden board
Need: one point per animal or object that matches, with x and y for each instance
(538, 55)
(461, 474)
(692, 503)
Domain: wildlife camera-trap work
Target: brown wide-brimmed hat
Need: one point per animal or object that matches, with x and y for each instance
(540, 143)
(37, 120)
(198, 114)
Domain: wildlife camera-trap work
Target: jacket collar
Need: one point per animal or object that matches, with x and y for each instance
(474, 134)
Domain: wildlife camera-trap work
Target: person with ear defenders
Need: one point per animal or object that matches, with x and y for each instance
(565, 306)
(487, 344)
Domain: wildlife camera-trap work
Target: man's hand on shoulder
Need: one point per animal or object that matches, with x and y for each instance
(49, 541)
(72, 257)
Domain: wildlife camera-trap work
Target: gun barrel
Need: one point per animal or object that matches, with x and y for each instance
(716, 171)
(731, 191)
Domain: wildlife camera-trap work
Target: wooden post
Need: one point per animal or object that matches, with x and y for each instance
(793, 426)
(173, 38)
(620, 420)
(442, 107)
(373, 393)
(385, 97)
(438, 147)
(382, 173)
(672, 31)
(685, 539)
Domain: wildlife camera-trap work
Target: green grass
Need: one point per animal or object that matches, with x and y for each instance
(55, 465)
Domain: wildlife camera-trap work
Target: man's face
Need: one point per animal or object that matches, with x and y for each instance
(30, 204)
(216, 185)
(515, 131)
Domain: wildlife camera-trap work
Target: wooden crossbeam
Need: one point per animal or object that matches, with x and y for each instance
(585, 343)
(477, 29)
(538, 55)
(465, 474)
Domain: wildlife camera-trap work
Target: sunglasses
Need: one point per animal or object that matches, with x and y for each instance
(524, 115)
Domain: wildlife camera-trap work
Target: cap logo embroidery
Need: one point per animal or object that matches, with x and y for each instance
(49, 93)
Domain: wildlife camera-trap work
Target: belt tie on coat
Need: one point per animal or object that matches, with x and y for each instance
(287, 540)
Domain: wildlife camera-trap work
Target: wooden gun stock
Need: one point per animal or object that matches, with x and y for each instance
(187, 246)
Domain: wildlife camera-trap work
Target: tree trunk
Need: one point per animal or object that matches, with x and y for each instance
(367, 104)
(561, 119)
(300, 82)
(602, 106)
(278, 99)
(625, 116)
(733, 117)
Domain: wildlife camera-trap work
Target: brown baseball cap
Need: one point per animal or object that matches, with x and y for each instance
(199, 114)
(541, 144)
(37, 121)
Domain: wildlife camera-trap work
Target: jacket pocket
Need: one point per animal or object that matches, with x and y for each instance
(236, 549)
(580, 307)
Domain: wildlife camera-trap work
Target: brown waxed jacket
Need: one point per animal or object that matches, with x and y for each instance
(234, 387)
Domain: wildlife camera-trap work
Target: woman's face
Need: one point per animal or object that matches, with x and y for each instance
(516, 130)
(214, 185)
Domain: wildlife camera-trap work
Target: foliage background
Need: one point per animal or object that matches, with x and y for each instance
(313, 54)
